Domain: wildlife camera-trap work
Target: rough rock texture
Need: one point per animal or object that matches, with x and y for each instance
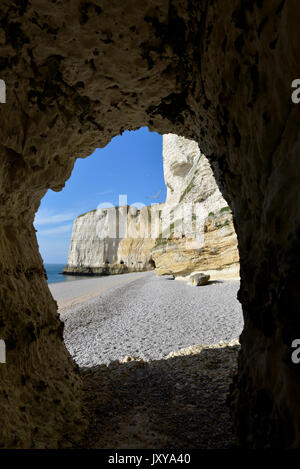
(188, 177)
(198, 279)
(79, 73)
(135, 249)
(192, 192)
(217, 256)
(111, 241)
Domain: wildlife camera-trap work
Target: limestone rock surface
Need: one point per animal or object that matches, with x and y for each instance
(125, 239)
(111, 241)
(197, 279)
(220, 73)
(192, 191)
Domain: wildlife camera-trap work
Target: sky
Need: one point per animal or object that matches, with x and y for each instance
(130, 164)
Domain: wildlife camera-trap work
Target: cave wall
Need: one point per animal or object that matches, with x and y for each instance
(77, 74)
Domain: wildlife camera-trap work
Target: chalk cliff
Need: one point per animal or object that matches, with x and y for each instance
(191, 188)
(125, 239)
(111, 241)
(78, 74)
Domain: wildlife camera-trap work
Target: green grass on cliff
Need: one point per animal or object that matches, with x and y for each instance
(187, 190)
(160, 241)
(225, 209)
(226, 223)
(90, 211)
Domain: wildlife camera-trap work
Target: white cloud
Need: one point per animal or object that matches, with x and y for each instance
(48, 217)
(55, 231)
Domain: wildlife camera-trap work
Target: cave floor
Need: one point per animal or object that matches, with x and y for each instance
(174, 403)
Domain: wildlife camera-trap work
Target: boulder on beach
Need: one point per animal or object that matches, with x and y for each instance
(198, 279)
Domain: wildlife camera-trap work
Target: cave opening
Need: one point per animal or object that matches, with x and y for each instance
(162, 329)
(219, 74)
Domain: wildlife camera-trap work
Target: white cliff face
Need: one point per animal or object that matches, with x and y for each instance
(135, 249)
(117, 236)
(189, 180)
(93, 241)
(197, 226)
(123, 239)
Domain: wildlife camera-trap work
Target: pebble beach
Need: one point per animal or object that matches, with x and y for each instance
(156, 357)
(144, 315)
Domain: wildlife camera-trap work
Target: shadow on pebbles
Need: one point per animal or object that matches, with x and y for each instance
(177, 403)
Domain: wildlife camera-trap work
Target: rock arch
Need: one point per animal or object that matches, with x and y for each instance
(78, 73)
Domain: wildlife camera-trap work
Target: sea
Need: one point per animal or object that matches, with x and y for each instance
(54, 274)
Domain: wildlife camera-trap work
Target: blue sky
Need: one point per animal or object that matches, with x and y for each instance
(130, 164)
